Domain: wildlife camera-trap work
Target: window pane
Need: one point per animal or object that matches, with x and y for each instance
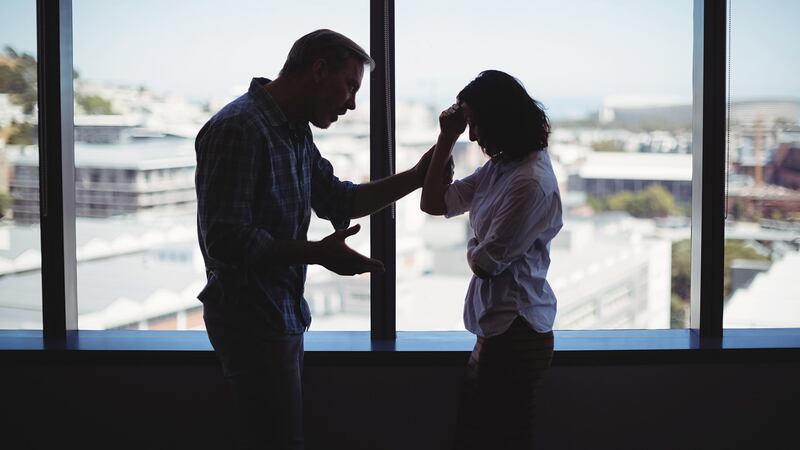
(762, 257)
(145, 85)
(20, 239)
(615, 78)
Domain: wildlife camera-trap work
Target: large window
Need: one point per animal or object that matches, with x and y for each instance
(762, 246)
(144, 85)
(616, 81)
(20, 243)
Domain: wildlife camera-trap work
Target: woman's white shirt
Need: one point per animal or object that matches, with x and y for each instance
(514, 211)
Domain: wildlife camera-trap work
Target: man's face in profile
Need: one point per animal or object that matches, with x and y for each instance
(337, 88)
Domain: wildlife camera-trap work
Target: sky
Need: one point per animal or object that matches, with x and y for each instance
(569, 54)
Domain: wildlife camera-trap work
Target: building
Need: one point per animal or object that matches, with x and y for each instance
(767, 201)
(113, 180)
(139, 271)
(766, 302)
(602, 174)
(785, 167)
(609, 273)
(104, 129)
(766, 113)
(652, 112)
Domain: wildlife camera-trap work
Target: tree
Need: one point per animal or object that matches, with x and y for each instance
(20, 134)
(94, 104)
(11, 81)
(682, 269)
(18, 78)
(607, 145)
(6, 201)
(679, 312)
(654, 201)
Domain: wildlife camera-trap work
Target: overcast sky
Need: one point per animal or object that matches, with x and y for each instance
(568, 53)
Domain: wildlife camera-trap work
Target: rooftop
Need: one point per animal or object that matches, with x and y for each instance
(637, 166)
(145, 154)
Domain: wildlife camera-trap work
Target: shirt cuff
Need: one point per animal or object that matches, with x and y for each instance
(340, 219)
(453, 203)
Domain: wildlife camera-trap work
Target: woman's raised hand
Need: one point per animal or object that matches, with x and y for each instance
(452, 121)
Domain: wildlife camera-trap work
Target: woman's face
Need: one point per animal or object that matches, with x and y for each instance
(473, 128)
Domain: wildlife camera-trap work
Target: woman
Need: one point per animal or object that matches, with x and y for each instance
(515, 211)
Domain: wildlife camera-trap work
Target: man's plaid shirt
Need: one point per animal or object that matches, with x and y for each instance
(257, 179)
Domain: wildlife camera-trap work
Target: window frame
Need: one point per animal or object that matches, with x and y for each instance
(57, 193)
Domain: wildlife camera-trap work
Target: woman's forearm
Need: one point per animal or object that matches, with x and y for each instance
(435, 185)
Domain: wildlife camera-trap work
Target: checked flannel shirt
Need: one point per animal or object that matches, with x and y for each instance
(258, 177)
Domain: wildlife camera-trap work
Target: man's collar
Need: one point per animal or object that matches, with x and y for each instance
(274, 114)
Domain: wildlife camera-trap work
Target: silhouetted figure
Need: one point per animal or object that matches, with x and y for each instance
(259, 175)
(515, 211)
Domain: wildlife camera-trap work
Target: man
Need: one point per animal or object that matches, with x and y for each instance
(259, 174)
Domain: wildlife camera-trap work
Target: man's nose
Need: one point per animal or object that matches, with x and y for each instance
(351, 105)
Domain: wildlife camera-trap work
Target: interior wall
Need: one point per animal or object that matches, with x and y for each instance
(128, 405)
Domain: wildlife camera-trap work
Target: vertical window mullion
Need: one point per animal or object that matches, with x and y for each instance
(382, 161)
(708, 179)
(57, 169)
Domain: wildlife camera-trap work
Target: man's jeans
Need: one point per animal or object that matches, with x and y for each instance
(264, 373)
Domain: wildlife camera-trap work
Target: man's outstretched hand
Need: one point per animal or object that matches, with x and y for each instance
(337, 257)
(425, 160)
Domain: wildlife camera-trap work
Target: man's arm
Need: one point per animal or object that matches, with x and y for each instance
(374, 196)
(224, 181)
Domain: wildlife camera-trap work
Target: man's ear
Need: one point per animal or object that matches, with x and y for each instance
(319, 70)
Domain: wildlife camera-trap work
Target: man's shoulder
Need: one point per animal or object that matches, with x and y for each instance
(238, 116)
(240, 111)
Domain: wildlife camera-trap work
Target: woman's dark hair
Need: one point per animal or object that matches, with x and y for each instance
(510, 123)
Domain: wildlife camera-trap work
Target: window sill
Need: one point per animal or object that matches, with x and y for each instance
(592, 347)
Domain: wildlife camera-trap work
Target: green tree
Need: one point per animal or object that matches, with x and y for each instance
(20, 134)
(597, 203)
(18, 78)
(94, 104)
(620, 201)
(607, 145)
(6, 203)
(654, 201)
(679, 312)
(11, 81)
(682, 269)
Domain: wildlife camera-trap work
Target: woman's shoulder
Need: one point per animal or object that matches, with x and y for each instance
(530, 178)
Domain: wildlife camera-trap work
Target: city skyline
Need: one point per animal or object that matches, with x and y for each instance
(210, 54)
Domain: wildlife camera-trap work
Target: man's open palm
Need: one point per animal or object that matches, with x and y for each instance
(338, 257)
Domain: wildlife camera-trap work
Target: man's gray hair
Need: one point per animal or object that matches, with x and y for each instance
(325, 44)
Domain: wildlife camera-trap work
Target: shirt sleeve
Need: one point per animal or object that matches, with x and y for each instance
(225, 181)
(331, 198)
(524, 214)
(458, 196)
